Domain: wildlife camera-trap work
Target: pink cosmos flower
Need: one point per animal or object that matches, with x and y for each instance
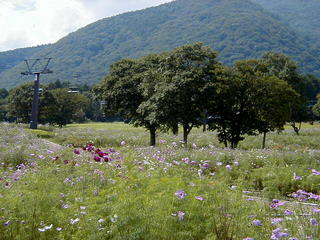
(76, 151)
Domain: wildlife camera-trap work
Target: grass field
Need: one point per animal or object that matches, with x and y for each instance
(103, 181)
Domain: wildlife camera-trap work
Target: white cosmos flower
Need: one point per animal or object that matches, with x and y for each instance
(73, 221)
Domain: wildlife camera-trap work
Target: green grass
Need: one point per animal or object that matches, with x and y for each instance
(133, 196)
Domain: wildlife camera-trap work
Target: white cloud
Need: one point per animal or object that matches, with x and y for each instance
(25, 23)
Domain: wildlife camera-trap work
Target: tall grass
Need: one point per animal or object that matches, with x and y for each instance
(228, 194)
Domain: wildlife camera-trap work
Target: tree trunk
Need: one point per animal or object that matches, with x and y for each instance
(264, 140)
(204, 127)
(295, 128)
(175, 129)
(185, 134)
(152, 131)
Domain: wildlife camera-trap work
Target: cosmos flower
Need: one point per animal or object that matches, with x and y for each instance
(181, 215)
(7, 223)
(276, 220)
(314, 222)
(180, 194)
(288, 212)
(256, 222)
(205, 165)
(199, 198)
(76, 151)
(45, 228)
(73, 221)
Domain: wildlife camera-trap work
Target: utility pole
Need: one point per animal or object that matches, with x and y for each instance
(36, 69)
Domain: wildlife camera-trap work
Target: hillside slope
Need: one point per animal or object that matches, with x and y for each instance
(302, 15)
(236, 28)
(9, 59)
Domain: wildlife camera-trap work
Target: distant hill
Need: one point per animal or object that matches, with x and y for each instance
(11, 58)
(238, 29)
(302, 15)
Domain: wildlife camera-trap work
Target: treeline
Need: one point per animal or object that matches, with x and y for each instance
(186, 87)
(60, 103)
(189, 87)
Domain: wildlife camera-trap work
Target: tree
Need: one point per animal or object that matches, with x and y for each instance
(248, 102)
(316, 107)
(65, 107)
(123, 93)
(56, 106)
(20, 102)
(274, 97)
(281, 66)
(186, 86)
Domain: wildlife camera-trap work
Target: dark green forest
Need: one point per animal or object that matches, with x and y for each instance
(236, 29)
(302, 15)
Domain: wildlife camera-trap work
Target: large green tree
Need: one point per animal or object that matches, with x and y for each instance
(186, 87)
(127, 87)
(20, 102)
(248, 102)
(283, 67)
(65, 107)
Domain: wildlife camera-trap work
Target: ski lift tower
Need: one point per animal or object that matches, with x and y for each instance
(36, 67)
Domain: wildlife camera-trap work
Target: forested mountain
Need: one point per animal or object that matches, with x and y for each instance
(11, 58)
(302, 15)
(237, 29)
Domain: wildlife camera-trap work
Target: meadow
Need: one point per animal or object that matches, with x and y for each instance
(103, 181)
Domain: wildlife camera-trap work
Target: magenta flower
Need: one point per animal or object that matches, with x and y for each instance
(97, 158)
(206, 165)
(123, 143)
(76, 151)
(180, 194)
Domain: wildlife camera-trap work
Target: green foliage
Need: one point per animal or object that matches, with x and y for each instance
(316, 107)
(185, 88)
(57, 106)
(66, 107)
(247, 102)
(237, 29)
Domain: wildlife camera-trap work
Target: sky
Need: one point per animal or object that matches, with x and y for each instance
(26, 23)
